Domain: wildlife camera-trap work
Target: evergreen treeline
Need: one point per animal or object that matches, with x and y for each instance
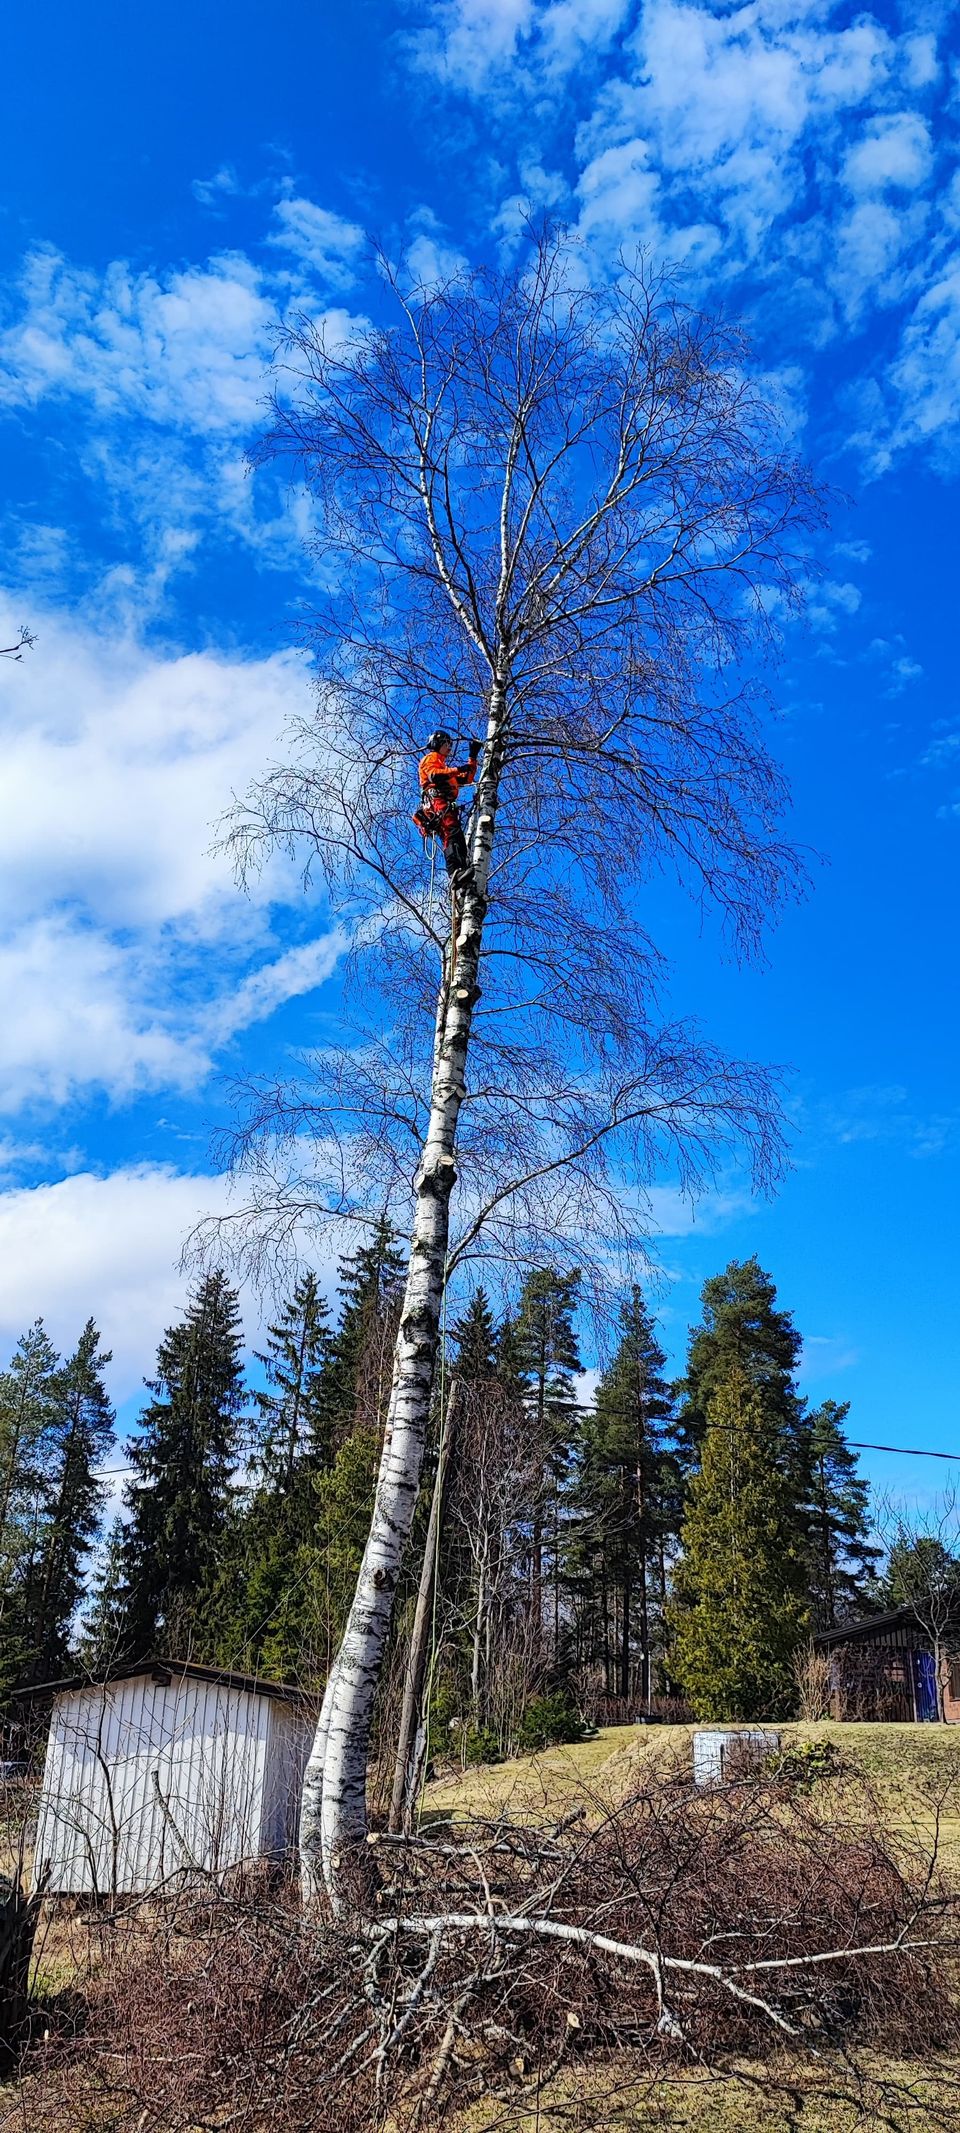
(657, 1540)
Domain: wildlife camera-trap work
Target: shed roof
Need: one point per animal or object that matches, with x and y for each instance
(166, 1670)
(876, 1625)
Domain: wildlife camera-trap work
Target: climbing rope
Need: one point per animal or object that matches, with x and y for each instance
(433, 868)
(453, 933)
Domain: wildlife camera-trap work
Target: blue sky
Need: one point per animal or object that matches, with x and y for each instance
(172, 186)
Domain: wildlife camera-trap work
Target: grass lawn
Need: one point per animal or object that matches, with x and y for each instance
(907, 1762)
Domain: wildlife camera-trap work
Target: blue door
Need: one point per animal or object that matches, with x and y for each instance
(925, 1685)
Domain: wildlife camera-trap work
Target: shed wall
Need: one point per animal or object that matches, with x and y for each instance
(145, 1781)
(290, 1741)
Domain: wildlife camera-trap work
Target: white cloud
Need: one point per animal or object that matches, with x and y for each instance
(569, 29)
(673, 1213)
(106, 1247)
(318, 239)
(720, 105)
(894, 151)
(824, 1354)
(125, 945)
(469, 40)
(919, 56)
(783, 139)
(118, 763)
(223, 185)
(871, 246)
(925, 376)
(621, 194)
(189, 351)
(75, 1019)
(428, 259)
(168, 377)
(832, 600)
(299, 971)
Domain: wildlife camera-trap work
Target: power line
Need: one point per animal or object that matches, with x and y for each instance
(854, 1444)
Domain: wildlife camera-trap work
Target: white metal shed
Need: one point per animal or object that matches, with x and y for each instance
(165, 1771)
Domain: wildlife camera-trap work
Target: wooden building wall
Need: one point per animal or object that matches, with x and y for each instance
(147, 1782)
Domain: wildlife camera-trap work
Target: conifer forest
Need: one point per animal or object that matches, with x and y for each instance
(592, 1558)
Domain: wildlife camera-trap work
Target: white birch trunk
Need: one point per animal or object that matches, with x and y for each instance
(334, 1813)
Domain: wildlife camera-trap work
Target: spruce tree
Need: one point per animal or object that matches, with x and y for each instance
(184, 1458)
(371, 1283)
(274, 1528)
(28, 1412)
(841, 1558)
(475, 1342)
(743, 1324)
(458, 1603)
(739, 1607)
(621, 1497)
(102, 1636)
(81, 1436)
(547, 1353)
(290, 1559)
(294, 1420)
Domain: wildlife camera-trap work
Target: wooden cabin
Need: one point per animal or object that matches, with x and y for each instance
(164, 1772)
(883, 1667)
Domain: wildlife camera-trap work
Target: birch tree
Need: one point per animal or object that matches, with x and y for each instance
(564, 519)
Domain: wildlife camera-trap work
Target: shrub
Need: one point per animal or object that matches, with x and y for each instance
(549, 1719)
(807, 1764)
(480, 1745)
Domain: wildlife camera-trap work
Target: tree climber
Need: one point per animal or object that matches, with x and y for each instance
(438, 814)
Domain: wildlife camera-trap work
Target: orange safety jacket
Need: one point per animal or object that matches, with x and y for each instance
(440, 780)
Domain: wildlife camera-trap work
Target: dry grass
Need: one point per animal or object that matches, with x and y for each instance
(908, 1764)
(746, 2098)
(119, 2073)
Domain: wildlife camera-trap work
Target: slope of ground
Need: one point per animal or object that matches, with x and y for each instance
(909, 1764)
(915, 1771)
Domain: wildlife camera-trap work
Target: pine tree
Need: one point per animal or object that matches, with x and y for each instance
(841, 1558)
(81, 1435)
(294, 1412)
(547, 1352)
(184, 1458)
(622, 1495)
(738, 1607)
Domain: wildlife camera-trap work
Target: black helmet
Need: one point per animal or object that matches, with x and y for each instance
(440, 739)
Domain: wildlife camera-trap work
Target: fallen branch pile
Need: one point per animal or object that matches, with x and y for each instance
(678, 1928)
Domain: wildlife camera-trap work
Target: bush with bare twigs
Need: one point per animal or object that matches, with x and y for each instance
(679, 1929)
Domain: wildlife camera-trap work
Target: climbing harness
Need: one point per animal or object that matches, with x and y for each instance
(438, 814)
